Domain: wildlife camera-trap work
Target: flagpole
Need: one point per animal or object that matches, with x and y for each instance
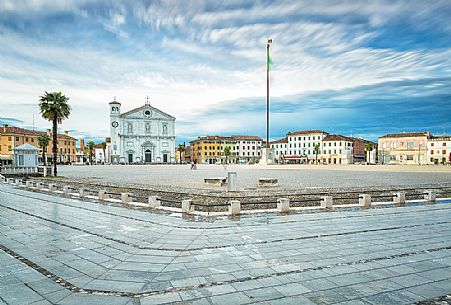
(269, 41)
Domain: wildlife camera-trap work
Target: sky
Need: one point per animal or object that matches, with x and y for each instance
(360, 68)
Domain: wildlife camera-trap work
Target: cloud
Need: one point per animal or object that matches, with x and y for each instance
(207, 57)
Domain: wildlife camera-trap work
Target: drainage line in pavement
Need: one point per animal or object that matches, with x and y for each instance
(210, 228)
(76, 289)
(232, 245)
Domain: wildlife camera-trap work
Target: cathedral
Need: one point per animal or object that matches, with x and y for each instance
(141, 135)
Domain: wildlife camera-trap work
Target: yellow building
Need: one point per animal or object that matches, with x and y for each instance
(208, 149)
(12, 137)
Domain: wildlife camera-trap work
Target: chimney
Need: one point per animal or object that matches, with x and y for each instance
(82, 144)
(66, 132)
(5, 127)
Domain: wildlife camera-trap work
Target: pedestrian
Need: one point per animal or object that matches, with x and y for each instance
(192, 165)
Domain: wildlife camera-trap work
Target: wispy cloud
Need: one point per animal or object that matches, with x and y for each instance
(331, 59)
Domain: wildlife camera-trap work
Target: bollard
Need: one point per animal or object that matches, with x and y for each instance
(17, 181)
(81, 192)
(187, 206)
(154, 202)
(39, 185)
(29, 184)
(125, 198)
(430, 196)
(400, 198)
(327, 202)
(365, 200)
(66, 189)
(283, 205)
(52, 187)
(231, 182)
(235, 207)
(103, 195)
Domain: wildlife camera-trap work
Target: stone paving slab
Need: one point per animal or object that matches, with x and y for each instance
(65, 251)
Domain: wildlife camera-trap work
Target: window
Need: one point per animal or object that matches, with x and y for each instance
(443, 144)
(129, 127)
(432, 152)
(409, 145)
(444, 152)
(26, 139)
(432, 144)
(147, 127)
(17, 138)
(409, 157)
(165, 129)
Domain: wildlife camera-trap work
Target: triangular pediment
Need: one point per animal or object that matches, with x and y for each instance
(153, 112)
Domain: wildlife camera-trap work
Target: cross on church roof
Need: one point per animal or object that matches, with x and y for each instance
(147, 100)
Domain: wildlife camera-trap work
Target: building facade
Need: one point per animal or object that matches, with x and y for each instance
(141, 135)
(210, 149)
(337, 149)
(439, 150)
(12, 137)
(360, 152)
(247, 148)
(301, 145)
(279, 147)
(404, 148)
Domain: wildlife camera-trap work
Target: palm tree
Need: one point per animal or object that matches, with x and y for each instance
(90, 146)
(316, 149)
(103, 144)
(181, 149)
(368, 148)
(226, 153)
(54, 107)
(43, 140)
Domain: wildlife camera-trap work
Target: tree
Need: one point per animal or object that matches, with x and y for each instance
(90, 146)
(181, 149)
(104, 150)
(226, 153)
(316, 149)
(54, 107)
(43, 140)
(368, 148)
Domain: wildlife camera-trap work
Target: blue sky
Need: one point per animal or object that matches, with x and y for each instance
(363, 68)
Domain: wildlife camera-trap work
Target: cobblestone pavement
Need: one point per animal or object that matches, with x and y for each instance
(289, 176)
(56, 250)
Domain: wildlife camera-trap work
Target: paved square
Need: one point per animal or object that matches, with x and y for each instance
(56, 250)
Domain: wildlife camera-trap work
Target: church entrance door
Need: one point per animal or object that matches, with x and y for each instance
(130, 158)
(165, 158)
(148, 156)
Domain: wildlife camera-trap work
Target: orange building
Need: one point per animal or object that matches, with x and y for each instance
(12, 137)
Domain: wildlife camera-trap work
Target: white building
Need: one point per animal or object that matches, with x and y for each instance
(439, 150)
(337, 149)
(247, 148)
(141, 135)
(301, 145)
(279, 147)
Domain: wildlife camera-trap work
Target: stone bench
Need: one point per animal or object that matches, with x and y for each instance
(267, 182)
(220, 181)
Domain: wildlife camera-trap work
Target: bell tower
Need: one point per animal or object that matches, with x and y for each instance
(115, 111)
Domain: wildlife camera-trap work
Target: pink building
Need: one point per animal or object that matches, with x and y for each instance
(404, 148)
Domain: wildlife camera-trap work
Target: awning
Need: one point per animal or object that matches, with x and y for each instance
(294, 157)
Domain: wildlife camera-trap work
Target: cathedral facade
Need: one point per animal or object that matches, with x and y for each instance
(141, 135)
